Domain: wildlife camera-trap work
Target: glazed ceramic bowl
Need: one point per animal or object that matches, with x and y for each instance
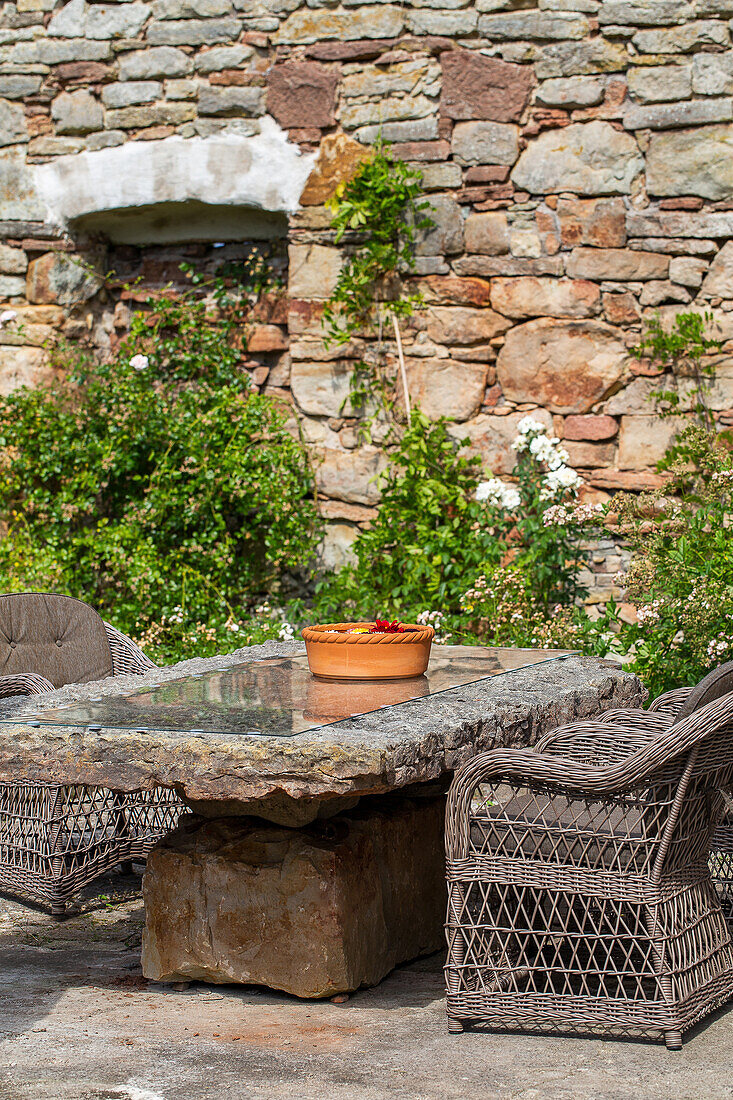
(337, 655)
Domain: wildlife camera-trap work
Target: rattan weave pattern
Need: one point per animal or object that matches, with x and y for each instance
(580, 896)
(56, 839)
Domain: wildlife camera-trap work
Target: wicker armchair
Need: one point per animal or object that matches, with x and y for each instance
(580, 896)
(56, 839)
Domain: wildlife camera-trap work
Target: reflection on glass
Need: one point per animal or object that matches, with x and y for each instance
(278, 696)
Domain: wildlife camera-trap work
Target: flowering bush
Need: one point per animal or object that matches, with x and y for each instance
(681, 572)
(158, 485)
(539, 519)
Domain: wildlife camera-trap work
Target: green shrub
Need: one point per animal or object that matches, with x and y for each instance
(157, 485)
(428, 535)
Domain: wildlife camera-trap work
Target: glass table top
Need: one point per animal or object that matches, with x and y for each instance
(277, 696)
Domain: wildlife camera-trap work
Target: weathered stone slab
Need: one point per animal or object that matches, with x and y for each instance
(669, 115)
(692, 162)
(322, 389)
(564, 366)
(596, 55)
(571, 92)
(446, 387)
(490, 438)
(661, 82)
(351, 475)
(487, 234)
(597, 222)
(535, 296)
(301, 93)
(479, 87)
(616, 264)
(719, 279)
(589, 158)
(293, 780)
(683, 39)
(313, 912)
(57, 278)
(463, 325)
(371, 21)
(155, 62)
(712, 74)
(13, 128)
(485, 143)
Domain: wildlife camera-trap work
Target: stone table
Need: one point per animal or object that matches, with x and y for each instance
(312, 859)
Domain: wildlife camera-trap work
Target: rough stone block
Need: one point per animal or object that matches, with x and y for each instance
(595, 55)
(13, 261)
(302, 93)
(534, 24)
(193, 32)
(13, 129)
(692, 162)
(669, 115)
(154, 63)
(597, 222)
(661, 82)
(450, 24)
(683, 39)
(656, 291)
(22, 366)
(509, 266)
(589, 158)
(571, 92)
(446, 387)
(462, 325)
(564, 366)
(11, 286)
(157, 114)
(616, 264)
(687, 270)
(77, 113)
(351, 475)
(339, 157)
(217, 58)
(58, 278)
(451, 290)
(190, 9)
(643, 440)
(538, 297)
(313, 912)
(130, 92)
(223, 101)
(371, 21)
(479, 87)
(446, 236)
(621, 309)
(322, 389)
(712, 73)
(19, 87)
(589, 427)
(644, 12)
(485, 143)
(719, 279)
(487, 234)
(313, 270)
(19, 200)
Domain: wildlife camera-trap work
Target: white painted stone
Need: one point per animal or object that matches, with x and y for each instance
(266, 172)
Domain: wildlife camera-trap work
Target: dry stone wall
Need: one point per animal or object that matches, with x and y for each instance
(577, 154)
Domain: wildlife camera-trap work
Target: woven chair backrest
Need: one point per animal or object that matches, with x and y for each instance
(717, 683)
(54, 636)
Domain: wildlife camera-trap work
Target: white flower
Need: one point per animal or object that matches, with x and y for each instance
(497, 492)
(528, 424)
(7, 316)
(286, 632)
(139, 362)
(560, 480)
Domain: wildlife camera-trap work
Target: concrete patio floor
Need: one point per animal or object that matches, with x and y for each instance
(79, 1022)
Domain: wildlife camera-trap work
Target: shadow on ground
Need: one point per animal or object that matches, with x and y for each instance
(80, 1022)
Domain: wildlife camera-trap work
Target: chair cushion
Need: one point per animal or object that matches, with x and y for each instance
(717, 683)
(54, 636)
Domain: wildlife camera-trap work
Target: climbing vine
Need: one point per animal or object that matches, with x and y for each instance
(380, 211)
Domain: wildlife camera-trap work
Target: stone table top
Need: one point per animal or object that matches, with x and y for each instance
(321, 771)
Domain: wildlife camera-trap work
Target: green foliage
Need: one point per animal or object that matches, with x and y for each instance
(681, 573)
(381, 210)
(429, 533)
(684, 349)
(169, 491)
(383, 204)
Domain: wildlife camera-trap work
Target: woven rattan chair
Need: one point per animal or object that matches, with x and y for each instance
(580, 896)
(56, 839)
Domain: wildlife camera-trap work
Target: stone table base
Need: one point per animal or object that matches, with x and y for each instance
(313, 911)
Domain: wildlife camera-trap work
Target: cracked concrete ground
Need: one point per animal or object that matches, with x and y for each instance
(79, 1022)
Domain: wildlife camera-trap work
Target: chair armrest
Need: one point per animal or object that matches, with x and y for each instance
(577, 778)
(670, 701)
(126, 656)
(27, 683)
(625, 732)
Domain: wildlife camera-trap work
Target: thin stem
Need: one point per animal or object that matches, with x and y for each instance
(403, 372)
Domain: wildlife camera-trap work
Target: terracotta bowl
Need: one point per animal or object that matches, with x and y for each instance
(336, 655)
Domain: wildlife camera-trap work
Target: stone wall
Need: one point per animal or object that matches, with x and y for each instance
(577, 154)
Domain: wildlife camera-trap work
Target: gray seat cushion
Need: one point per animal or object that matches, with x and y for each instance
(54, 636)
(717, 683)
